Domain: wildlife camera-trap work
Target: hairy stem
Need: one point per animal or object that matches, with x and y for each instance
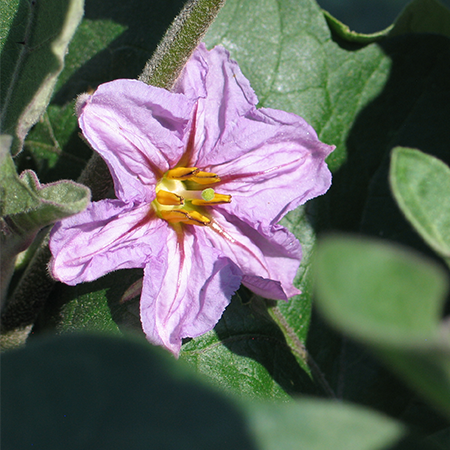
(180, 40)
(300, 351)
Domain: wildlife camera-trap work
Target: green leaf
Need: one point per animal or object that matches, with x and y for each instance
(248, 354)
(421, 186)
(57, 201)
(423, 16)
(300, 69)
(318, 424)
(91, 306)
(103, 392)
(32, 58)
(391, 300)
(16, 196)
(31, 205)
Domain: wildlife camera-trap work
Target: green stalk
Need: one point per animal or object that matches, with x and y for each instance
(180, 40)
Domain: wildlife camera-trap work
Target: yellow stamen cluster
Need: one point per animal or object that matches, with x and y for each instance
(182, 193)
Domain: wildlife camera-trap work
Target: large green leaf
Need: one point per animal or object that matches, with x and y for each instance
(32, 58)
(392, 300)
(100, 392)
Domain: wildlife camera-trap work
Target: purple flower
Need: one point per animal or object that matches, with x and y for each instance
(202, 179)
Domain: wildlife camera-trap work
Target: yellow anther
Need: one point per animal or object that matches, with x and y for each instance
(201, 177)
(181, 173)
(183, 191)
(184, 216)
(217, 200)
(192, 174)
(168, 198)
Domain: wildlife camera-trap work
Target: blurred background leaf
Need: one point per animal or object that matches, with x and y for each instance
(421, 186)
(424, 16)
(392, 300)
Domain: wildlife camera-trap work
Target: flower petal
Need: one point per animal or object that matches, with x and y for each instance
(275, 163)
(107, 236)
(268, 256)
(223, 93)
(139, 130)
(186, 295)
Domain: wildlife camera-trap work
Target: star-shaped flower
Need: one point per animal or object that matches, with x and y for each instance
(202, 178)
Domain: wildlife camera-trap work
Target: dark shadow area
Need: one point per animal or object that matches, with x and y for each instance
(357, 376)
(413, 110)
(91, 306)
(366, 16)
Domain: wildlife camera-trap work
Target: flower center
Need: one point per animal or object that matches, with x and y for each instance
(183, 193)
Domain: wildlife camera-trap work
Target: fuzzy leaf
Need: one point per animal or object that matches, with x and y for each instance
(26, 201)
(16, 196)
(421, 185)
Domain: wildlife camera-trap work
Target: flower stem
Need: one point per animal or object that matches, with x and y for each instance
(180, 40)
